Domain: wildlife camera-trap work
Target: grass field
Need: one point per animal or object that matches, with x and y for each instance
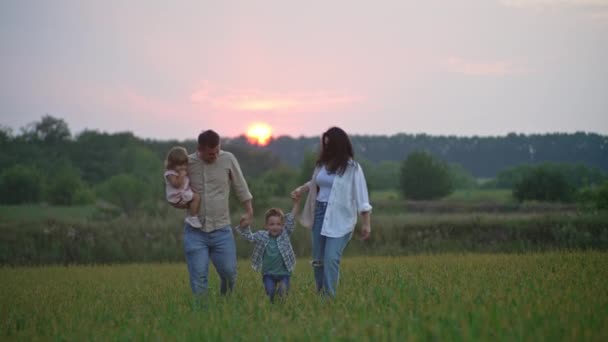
(553, 296)
(474, 195)
(37, 212)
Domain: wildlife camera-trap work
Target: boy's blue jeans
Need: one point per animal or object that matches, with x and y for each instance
(276, 285)
(219, 246)
(326, 254)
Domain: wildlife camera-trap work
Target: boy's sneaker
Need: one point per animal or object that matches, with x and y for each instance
(194, 222)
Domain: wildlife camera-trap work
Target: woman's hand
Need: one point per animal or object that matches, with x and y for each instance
(366, 230)
(296, 194)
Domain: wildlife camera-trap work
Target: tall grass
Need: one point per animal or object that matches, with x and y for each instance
(159, 239)
(553, 297)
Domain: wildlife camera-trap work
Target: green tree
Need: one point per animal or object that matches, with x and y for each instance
(65, 187)
(600, 198)
(461, 178)
(49, 130)
(21, 184)
(544, 183)
(386, 175)
(282, 179)
(124, 191)
(6, 135)
(307, 167)
(369, 172)
(424, 177)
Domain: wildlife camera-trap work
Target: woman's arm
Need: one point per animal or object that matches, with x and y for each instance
(299, 191)
(366, 227)
(364, 208)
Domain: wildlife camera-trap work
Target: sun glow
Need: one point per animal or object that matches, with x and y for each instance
(259, 134)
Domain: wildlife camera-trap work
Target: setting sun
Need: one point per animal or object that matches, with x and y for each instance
(259, 134)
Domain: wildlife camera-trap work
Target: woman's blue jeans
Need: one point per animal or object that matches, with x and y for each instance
(326, 254)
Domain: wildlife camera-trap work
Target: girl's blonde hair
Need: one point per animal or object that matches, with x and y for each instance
(177, 156)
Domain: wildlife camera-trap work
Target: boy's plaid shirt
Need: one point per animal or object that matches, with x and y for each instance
(261, 238)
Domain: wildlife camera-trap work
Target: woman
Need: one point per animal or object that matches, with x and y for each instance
(337, 192)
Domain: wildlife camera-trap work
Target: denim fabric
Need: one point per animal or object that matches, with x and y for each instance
(326, 254)
(217, 246)
(276, 285)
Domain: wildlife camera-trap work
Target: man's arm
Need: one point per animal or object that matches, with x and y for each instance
(241, 188)
(248, 216)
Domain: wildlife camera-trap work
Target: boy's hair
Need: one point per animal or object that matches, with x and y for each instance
(176, 156)
(274, 212)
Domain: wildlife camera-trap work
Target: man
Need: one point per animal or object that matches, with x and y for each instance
(211, 172)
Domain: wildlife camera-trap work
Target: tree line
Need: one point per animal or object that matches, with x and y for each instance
(45, 162)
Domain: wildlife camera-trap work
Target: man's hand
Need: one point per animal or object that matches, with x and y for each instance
(243, 223)
(245, 220)
(366, 230)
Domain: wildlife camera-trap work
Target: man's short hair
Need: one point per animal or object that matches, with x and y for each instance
(208, 138)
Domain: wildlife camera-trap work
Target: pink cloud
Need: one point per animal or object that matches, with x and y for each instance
(254, 100)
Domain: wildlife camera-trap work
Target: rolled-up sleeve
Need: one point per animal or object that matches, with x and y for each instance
(361, 194)
(240, 185)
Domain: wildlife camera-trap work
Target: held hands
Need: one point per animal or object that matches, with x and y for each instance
(245, 221)
(296, 195)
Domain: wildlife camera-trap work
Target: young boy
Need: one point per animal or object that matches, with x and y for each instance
(273, 255)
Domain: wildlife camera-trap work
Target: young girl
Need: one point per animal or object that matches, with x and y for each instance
(273, 255)
(177, 184)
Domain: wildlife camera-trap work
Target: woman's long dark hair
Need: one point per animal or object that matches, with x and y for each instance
(337, 152)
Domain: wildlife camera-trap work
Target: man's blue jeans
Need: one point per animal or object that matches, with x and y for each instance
(326, 254)
(219, 246)
(276, 285)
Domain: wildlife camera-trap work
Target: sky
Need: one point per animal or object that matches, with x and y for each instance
(169, 69)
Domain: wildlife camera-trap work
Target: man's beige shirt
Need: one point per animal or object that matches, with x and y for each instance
(212, 182)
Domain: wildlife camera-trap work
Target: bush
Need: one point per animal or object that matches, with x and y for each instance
(594, 198)
(579, 175)
(307, 167)
(544, 183)
(66, 188)
(461, 178)
(21, 184)
(262, 193)
(83, 195)
(282, 179)
(424, 177)
(125, 191)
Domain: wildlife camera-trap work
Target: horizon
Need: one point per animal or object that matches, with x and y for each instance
(73, 134)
